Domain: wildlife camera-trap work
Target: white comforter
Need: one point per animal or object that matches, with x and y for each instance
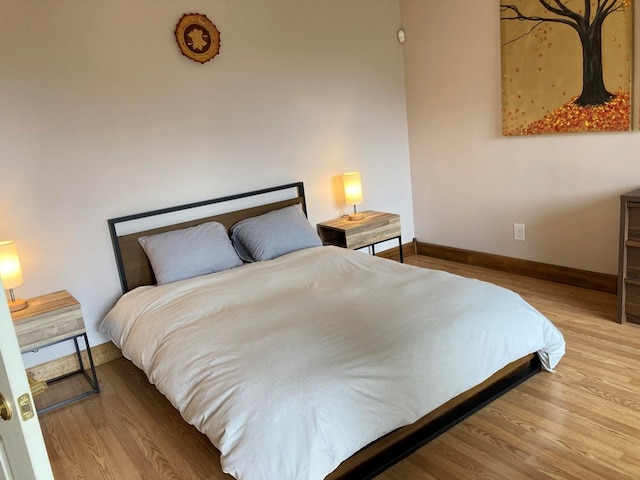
(291, 365)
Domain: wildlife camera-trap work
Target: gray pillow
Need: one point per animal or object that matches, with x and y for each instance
(273, 234)
(190, 252)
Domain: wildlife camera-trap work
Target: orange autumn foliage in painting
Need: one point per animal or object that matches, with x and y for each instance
(572, 118)
(566, 66)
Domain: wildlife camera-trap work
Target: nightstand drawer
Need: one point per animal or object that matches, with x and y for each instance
(374, 232)
(48, 319)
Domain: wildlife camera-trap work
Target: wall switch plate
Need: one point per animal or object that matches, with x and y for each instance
(518, 231)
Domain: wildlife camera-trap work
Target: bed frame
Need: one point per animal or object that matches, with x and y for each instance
(135, 270)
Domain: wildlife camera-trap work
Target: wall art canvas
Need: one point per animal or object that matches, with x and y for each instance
(566, 66)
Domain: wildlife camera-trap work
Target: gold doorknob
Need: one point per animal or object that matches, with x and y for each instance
(5, 408)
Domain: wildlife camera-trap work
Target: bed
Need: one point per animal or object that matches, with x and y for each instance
(318, 362)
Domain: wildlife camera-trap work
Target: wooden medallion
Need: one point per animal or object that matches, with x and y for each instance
(198, 38)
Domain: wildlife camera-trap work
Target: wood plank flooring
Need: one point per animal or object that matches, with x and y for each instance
(582, 422)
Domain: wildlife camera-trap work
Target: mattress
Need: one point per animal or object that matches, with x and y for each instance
(291, 365)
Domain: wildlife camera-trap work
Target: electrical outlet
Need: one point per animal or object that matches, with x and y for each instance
(518, 231)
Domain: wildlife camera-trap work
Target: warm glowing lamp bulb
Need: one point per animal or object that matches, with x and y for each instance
(353, 193)
(11, 273)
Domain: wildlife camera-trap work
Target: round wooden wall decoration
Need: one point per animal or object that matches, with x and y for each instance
(198, 38)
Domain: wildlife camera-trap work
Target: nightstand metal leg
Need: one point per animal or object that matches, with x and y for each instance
(93, 383)
(92, 380)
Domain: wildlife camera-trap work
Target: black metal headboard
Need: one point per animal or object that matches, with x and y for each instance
(133, 265)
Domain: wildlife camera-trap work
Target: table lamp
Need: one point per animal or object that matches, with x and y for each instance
(353, 193)
(11, 273)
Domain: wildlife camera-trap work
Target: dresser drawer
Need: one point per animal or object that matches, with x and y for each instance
(633, 227)
(633, 262)
(632, 303)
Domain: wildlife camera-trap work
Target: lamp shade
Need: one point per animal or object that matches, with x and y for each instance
(10, 271)
(352, 188)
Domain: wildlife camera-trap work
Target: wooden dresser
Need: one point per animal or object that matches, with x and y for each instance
(629, 259)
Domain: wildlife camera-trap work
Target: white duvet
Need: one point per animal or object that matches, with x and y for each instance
(291, 365)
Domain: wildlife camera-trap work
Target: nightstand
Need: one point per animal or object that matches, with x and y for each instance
(49, 320)
(374, 228)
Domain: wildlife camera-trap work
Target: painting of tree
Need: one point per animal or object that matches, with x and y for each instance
(566, 66)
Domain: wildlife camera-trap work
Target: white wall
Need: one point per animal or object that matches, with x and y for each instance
(102, 116)
(470, 184)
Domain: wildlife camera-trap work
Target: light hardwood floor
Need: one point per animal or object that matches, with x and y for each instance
(582, 422)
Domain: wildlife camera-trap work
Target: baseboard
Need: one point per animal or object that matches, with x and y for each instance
(102, 353)
(393, 254)
(571, 276)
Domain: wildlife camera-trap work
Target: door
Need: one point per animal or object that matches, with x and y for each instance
(23, 455)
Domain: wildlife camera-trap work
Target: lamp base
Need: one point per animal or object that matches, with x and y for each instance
(18, 304)
(356, 216)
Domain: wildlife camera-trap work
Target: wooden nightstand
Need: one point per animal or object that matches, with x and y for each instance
(374, 228)
(51, 319)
